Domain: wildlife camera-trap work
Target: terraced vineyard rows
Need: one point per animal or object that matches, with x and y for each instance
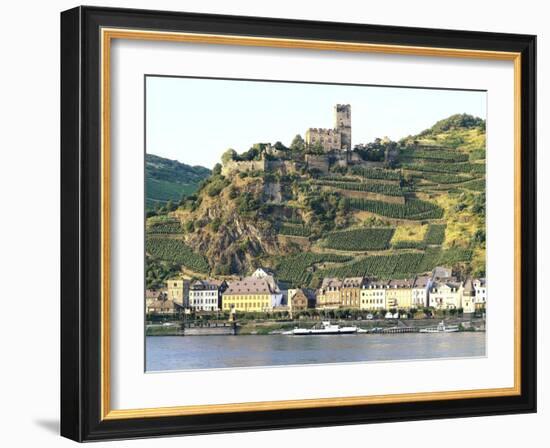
(340, 178)
(452, 256)
(386, 189)
(376, 173)
(475, 185)
(443, 167)
(293, 230)
(360, 239)
(293, 269)
(441, 178)
(414, 209)
(163, 226)
(435, 234)
(176, 251)
(409, 244)
(437, 257)
(398, 265)
(379, 266)
(443, 155)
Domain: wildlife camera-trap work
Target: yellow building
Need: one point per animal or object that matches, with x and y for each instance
(373, 296)
(328, 295)
(399, 294)
(249, 294)
(350, 292)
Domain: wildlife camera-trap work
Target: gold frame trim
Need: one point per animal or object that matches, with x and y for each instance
(107, 35)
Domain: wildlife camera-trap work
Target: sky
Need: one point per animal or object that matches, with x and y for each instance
(196, 120)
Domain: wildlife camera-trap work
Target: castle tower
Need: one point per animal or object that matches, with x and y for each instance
(342, 123)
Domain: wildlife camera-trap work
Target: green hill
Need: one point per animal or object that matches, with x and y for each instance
(424, 208)
(167, 180)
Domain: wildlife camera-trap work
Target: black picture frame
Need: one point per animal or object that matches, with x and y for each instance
(81, 224)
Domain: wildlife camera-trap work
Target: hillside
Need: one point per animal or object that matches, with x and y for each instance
(167, 180)
(424, 208)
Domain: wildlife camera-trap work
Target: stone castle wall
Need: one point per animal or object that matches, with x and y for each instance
(317, 162)
(329, 139)
(233, 166)
(281, 166)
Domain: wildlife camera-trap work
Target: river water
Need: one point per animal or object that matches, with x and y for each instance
(211, 352)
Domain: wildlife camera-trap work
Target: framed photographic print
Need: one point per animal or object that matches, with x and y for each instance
(272, 223)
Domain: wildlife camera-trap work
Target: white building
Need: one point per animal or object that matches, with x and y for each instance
(205, 295)
(480, 287)
(420, 291)
(446, 295)
(373, 296)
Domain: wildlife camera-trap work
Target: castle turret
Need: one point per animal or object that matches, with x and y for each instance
(337, 139)
(342, 123)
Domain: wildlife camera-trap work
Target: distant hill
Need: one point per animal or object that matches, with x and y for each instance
(169, 179)
(455, 122)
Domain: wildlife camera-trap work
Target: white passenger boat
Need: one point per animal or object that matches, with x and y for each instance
(441, 328)
(325, 328)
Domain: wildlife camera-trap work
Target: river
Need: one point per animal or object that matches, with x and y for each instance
(211, 352)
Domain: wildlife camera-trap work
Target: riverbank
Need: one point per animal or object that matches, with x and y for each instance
(268, 326)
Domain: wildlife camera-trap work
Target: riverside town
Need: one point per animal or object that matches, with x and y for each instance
(254, 300)
(333, 236)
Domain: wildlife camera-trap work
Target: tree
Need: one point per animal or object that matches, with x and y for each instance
(170, 206)
(254, 153)
(298, 143)
(228, 155)
(316, 148)
(478, 206)
(280, 147)
(189, 226)
(479, 236)
(215, 187)
(217, 170)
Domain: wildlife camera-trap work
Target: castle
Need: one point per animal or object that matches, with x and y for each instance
(335, 143)
(324, 148)
(337, 139)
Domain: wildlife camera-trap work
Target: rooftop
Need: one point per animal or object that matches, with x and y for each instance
(400, 283)
(421, 281)
(331, 282)
(442, 272)
(352, 282)
(207, 284)
(249, 285)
